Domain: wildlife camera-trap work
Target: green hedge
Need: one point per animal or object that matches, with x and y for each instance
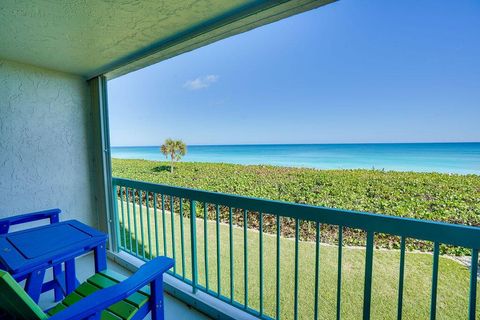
(433, 196)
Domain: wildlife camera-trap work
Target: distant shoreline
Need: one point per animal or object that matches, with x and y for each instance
(452, 157)
(301, 144)
(165, 162)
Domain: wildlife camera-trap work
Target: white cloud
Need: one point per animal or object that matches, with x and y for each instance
(201, 82)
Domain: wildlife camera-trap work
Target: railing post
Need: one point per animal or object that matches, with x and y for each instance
(473, 285)
(433, 303)
(193, 240)
(367, 290)
(115, 219)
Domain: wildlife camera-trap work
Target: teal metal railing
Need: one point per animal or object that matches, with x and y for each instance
(167, 211)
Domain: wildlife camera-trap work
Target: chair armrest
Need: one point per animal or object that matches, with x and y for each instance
(102, 299)
(51, 214)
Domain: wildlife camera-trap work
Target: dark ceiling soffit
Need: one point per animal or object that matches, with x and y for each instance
(234, 22)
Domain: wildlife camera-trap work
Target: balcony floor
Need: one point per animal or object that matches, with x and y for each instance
(174, 308)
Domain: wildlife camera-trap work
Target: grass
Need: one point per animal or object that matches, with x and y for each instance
(453, 283)
(431, 196)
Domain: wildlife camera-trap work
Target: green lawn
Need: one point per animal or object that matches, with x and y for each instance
(452, 289)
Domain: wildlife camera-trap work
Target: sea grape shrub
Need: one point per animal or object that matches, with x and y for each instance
(449, 198)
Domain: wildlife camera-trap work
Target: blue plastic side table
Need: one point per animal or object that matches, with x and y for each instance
(27, 254)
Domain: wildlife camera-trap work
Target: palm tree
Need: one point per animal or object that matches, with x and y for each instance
(176, 149)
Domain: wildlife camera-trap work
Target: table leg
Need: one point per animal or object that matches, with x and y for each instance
(70, 278)
(57, 277)
(34, 284)
(100, 258)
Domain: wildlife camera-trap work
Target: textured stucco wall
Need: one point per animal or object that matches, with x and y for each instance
(45, 143)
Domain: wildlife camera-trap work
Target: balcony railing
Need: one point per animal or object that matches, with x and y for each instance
(211, 235)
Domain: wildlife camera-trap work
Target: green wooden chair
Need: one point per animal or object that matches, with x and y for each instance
(105, 295)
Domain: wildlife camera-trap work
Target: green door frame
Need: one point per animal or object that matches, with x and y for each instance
(102, 157)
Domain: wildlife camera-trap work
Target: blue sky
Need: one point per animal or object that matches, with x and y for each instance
(352, 71)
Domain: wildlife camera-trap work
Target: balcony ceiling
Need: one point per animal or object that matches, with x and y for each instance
(92, 37)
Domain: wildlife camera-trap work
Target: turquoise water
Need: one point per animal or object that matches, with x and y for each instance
(463, 158)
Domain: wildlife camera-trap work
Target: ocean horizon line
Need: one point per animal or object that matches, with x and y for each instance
(303, 144)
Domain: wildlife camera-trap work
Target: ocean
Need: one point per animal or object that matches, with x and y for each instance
(461, 158)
